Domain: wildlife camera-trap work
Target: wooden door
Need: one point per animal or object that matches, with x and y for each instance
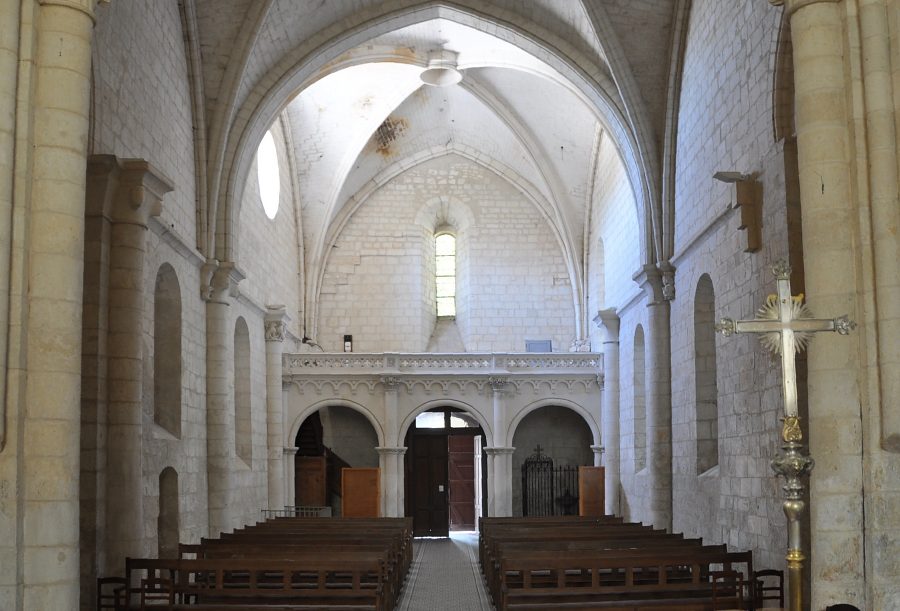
(462, 482)
(429, 486)
(309, 481)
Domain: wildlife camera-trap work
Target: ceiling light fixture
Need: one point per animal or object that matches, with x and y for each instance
(442, 70)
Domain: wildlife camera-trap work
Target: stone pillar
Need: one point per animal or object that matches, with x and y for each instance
(390, 460)
(9, 75)
(219, 288)
(881, 113)
(138, 196)
(659, 397)
(500, 480)
(609, 418)
(830, 221)
(499, 461)
(290, 493)
(275, 327)
(49, 452)
(390, 456)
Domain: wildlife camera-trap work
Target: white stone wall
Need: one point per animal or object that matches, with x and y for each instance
(268, 248)
(141, 108)
(613, 259)
(726, 124)
(186, 454)
(141, 99)
(514, 285)
(250, 481)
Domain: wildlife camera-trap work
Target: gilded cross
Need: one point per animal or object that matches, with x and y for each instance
(787, 326)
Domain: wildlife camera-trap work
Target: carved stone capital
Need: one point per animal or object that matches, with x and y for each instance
(657, 281)
(124, 190)
(598, 450)
(400, 451)
(498, 383)
(274, 330)
(140, 192)
(608, 320)
(390, 383)
(275, 323)
(499, 451)
(792, 6)
(219, 281)
(580, 345)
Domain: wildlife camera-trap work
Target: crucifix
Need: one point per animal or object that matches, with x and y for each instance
(787, 325)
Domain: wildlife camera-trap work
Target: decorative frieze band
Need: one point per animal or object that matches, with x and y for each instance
(445, 386)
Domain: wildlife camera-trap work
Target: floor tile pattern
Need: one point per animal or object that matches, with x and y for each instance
(445, 576)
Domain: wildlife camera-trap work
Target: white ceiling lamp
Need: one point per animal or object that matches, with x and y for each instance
(441, 70)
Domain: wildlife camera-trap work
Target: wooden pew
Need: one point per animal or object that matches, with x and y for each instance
(605, 564)
(284, 563)
(245, 584)
(661, 580)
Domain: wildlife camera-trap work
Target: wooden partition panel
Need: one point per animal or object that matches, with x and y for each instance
(590, 491)
(360, 492)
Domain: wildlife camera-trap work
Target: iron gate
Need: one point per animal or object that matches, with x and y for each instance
(548, 490)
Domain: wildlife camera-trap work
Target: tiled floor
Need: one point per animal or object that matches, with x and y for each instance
(445, 576)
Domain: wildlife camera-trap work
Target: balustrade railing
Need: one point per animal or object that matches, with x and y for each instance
(427, 363)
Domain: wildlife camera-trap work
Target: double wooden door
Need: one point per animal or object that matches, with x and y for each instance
(429, 485)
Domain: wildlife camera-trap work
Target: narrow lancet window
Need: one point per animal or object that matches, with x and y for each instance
(445, 274)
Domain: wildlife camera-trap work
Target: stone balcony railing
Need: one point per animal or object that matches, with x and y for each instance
(506, 364)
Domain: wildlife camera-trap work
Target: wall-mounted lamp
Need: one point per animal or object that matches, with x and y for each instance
(748, 197)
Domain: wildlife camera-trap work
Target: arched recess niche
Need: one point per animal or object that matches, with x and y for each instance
(167, 364)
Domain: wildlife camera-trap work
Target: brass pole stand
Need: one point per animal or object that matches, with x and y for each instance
(792, 464)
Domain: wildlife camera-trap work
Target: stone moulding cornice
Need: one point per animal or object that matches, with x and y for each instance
(792, 6)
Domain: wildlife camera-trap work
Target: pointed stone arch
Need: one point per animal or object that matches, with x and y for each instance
(310, 62)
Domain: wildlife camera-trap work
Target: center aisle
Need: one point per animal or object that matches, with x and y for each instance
(445, 576)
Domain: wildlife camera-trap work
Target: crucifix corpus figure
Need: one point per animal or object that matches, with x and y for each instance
(787, 325)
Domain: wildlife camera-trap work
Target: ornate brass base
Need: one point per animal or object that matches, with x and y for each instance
(792, 465)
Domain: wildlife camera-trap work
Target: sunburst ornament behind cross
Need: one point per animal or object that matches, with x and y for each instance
(771, 310)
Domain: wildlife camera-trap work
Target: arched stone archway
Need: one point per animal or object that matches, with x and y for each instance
(330, 437)
(562, 434)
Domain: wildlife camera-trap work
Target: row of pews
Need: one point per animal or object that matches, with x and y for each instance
(604, 563)
(289, 564)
